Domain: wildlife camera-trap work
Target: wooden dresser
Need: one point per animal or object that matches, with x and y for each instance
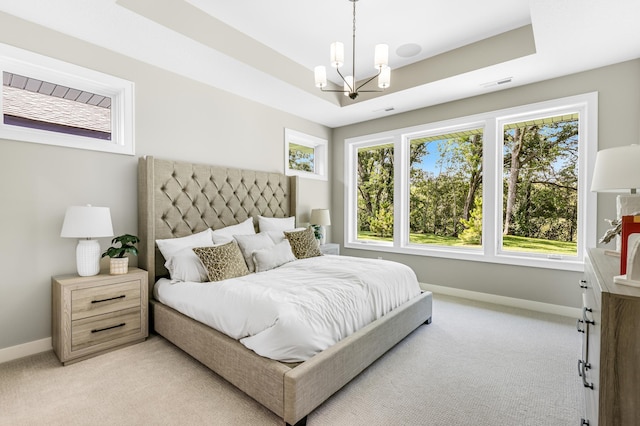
(610, 360)
(93, 315)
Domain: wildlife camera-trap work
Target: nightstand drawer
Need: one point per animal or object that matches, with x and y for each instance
(88, 302)
(104, 328)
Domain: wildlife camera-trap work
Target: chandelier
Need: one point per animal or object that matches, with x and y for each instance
(381, 63)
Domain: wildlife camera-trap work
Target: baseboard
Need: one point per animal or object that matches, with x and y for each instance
(531, 305)
(26, 349)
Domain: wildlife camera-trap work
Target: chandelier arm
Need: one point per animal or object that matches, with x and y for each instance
(332, 90)
(358, 88)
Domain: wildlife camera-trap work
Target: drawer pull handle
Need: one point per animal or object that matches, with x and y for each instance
(580, 330)
(584, 315)
(97, 330)
(584, 422)
(582, 367)
(581, 370)
(122, 296)
(583, 284)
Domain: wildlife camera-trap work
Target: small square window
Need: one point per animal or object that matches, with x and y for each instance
(305, 155)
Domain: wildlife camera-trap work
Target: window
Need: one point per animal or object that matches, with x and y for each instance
(375, 192)
(445, 189)
(540, 185)
(52, 102)
(506, 186)
(305, 155)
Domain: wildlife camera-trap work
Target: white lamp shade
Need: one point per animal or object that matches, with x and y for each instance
(320, 73)
(384, 79)
(337, 54)
(381, 56)
(87, 222)
(320, 217)
(617, 169)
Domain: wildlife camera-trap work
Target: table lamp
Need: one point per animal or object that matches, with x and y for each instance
(618, 170)
(321, 218)
(86, 223)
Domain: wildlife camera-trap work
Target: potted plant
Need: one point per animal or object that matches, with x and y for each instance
(119, 263)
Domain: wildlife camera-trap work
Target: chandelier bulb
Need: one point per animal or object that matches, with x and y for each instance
(337, 54)
(381, 56)
(384, 79)
(320, 73)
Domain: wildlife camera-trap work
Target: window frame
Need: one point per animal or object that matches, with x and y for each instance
(320, 154)
(121, 92)
(491, 122)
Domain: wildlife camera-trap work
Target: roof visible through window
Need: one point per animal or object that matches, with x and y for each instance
(38, 104)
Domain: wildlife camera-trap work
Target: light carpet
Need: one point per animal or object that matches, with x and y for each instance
(476, 364)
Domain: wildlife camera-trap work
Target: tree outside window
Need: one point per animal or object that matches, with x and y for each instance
(540, 174)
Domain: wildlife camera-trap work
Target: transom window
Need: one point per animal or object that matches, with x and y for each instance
(506, 186)
(48, 101)
(38, 104)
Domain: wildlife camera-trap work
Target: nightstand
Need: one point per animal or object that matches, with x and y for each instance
(93, 315)
(330, 248)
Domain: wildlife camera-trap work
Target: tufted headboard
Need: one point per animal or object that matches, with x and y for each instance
(176, 199)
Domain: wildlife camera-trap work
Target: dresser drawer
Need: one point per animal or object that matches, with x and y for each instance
(91, 301)
(104, 328)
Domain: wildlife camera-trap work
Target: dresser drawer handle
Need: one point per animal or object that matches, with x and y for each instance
(580, 330)
(582, 367)
(97, 330)
(584, 315)
(581, 370)
(122, 296)
(583, 284)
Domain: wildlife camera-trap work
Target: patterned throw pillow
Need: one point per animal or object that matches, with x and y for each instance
(223, 261)
(303, 243)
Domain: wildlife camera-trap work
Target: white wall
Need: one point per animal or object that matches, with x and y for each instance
(176, 118)
(618, 87)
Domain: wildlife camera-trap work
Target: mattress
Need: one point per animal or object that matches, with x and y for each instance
(299, 309)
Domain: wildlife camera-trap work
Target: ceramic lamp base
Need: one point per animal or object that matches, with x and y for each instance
(88, 258)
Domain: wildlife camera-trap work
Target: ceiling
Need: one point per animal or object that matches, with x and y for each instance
(266, 50)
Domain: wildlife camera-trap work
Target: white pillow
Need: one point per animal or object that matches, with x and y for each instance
(250, 243)
(276, 223)
(278, 236)
(186, 266)
(273, 257)
(171, 246)
(224, 235)
(181, 262)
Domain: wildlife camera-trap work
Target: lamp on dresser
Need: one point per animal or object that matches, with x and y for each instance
(618, 170)
(86, 223)
(320, 218)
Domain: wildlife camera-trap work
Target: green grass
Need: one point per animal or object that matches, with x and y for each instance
(510, 243)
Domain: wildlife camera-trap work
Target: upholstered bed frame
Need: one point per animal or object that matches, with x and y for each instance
(178, 199)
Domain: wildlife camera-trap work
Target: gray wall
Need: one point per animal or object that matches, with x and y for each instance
(176, 118)
(618, 87)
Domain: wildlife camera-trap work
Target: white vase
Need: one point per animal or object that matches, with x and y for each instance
(118, 265)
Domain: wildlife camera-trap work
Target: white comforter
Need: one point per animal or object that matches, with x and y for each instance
(299, 309)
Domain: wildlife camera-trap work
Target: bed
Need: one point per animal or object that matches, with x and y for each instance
(178, 199)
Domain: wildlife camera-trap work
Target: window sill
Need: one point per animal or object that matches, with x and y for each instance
(475, 255)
